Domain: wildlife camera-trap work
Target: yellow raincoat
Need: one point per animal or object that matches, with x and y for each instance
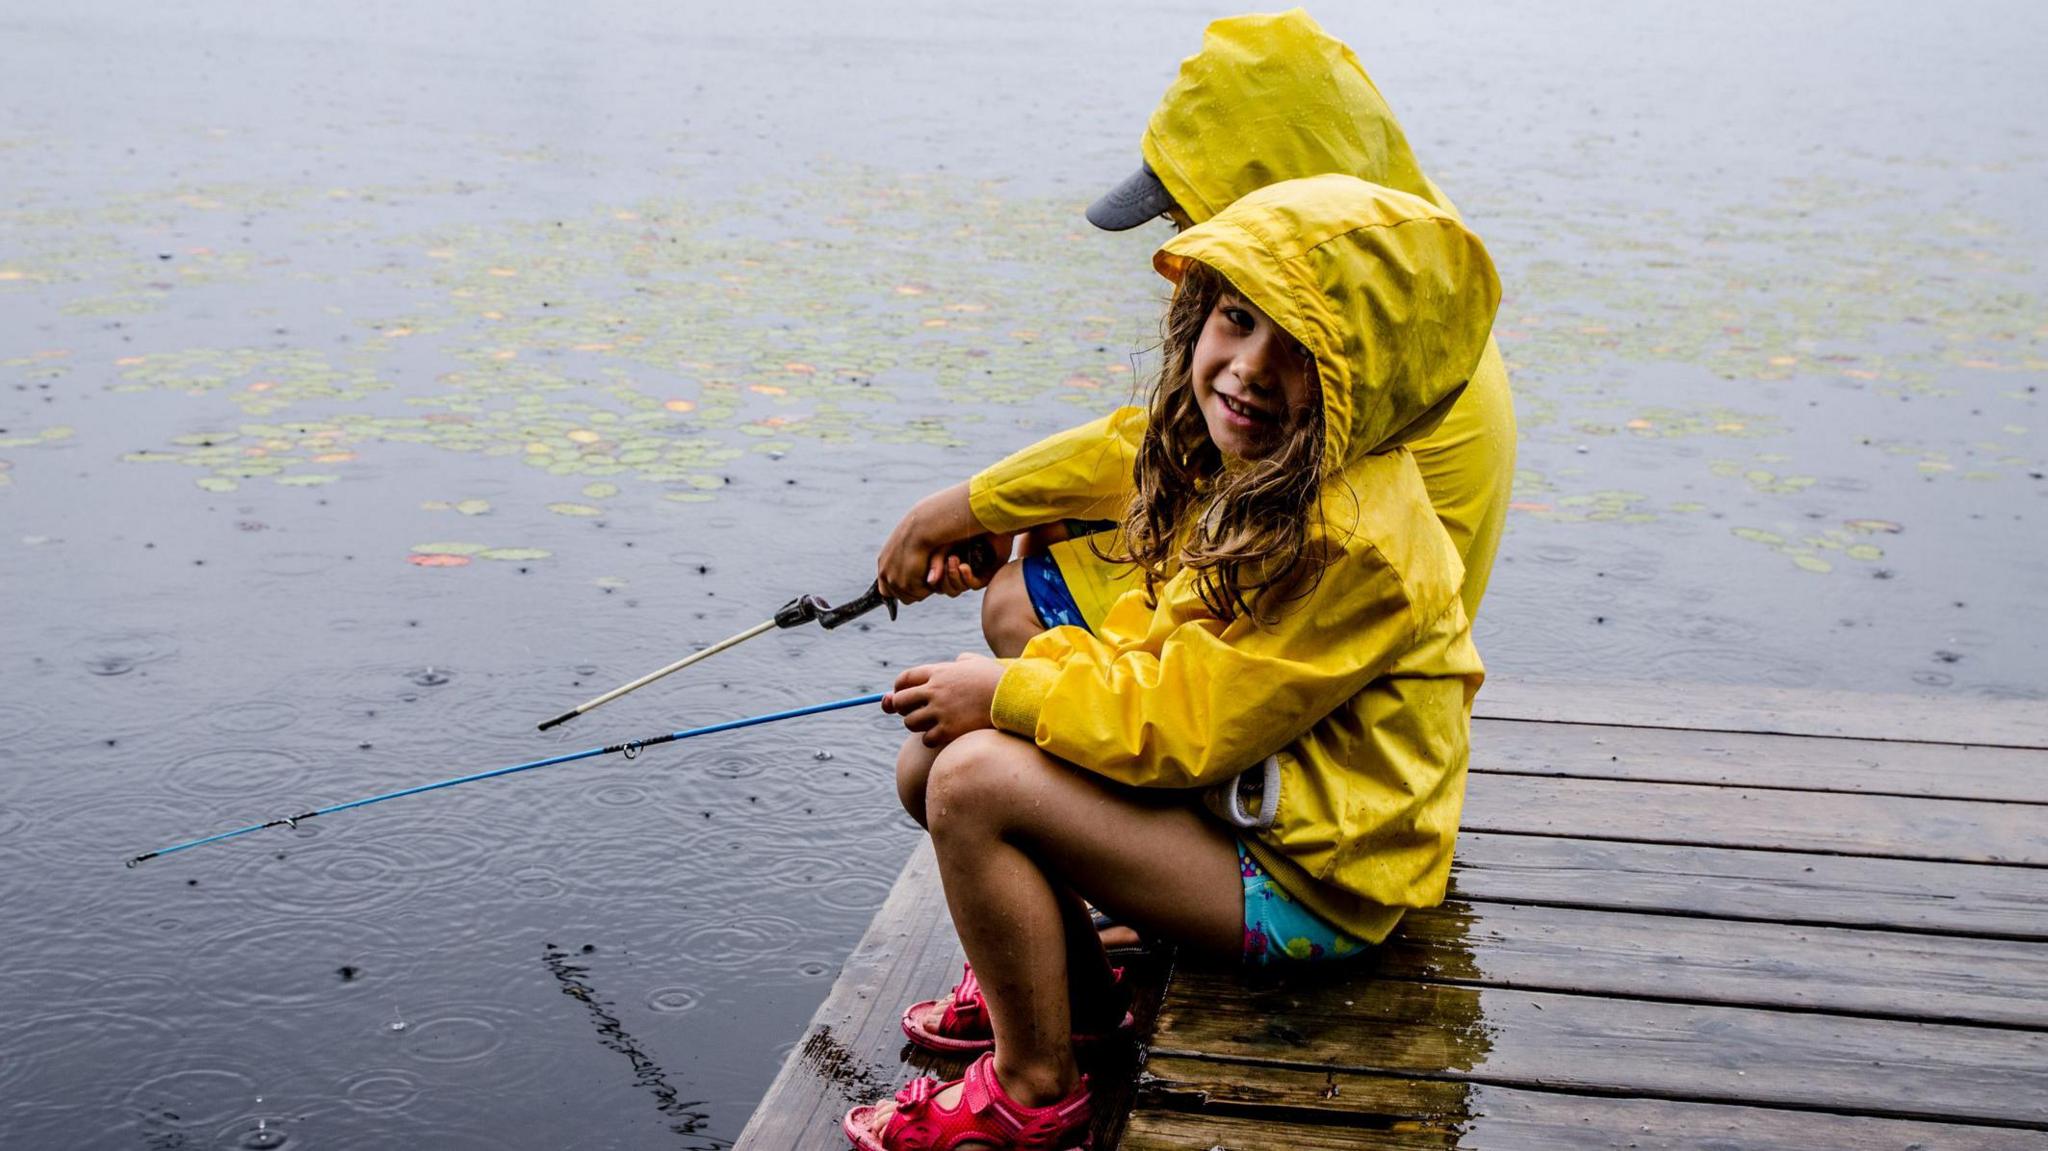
(1361, 690)
(1268, 98)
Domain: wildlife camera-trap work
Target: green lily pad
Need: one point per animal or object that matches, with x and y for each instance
(514, 554)
(582, 510)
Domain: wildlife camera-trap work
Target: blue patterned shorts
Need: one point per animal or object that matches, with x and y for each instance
(1279, 930)
(1049, 595)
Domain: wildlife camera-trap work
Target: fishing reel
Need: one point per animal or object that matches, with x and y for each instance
(807, 608)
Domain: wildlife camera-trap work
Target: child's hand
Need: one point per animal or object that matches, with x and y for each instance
(914, 562)
(945, 701)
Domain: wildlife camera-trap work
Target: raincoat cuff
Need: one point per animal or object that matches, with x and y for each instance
(988, 505)
(1021, 693)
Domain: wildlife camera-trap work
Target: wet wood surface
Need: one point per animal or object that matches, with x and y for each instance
(1744, 759)
(1245, 1107)
(1782, 711)
(1772, 886)
(1704, 919)
(1880, 974)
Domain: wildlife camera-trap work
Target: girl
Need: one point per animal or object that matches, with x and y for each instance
(1298, 651)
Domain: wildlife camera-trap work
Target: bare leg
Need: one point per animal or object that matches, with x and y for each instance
(1091, 975)
(1015, 829)
(1008, 621)
(913, 768)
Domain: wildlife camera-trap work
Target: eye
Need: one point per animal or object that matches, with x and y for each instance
(1238, 316)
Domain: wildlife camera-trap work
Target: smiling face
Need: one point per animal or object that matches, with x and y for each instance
(1252, 380)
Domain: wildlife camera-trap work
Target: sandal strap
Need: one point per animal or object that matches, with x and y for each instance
(967, 1015)
(1049, 1128)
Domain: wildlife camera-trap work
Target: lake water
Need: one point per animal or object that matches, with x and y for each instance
(376, 382)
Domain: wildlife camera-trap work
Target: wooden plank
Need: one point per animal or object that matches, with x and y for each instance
(1884, 974)
(1239, 1105)
(1775, 886)
(1683, 1052)
(1745, 759)
(850, 1053)
(1173, 1131)
(1892, 827)
(1786, 711)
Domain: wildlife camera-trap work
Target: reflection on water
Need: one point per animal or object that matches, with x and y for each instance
(373, 389)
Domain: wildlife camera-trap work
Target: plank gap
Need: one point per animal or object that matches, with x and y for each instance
(1836, 853)
(1598, 1092)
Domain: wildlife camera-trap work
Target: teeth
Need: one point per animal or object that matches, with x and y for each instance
(1240, 409)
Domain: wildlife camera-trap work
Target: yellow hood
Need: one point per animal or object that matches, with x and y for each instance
(1391, 294)
(1271, 98)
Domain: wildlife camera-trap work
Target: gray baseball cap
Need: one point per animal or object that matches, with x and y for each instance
(1139, 198)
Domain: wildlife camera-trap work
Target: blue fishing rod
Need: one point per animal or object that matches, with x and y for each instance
(630, 749)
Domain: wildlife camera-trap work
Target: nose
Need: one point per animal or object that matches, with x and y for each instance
(1258, 358)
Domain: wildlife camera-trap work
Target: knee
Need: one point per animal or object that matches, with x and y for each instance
(913, 772)
(1008, 621)
(970, 782)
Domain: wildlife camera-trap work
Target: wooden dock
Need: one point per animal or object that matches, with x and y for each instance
(1679, 918)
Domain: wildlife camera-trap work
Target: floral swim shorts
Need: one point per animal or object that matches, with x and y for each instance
(1279, 930)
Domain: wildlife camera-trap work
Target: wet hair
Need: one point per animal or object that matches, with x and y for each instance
(1241, 527)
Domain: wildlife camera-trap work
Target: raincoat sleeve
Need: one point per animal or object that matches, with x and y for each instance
(1192, 703)
(1083, 472)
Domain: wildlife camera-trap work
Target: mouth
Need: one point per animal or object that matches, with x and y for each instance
(1245, 411)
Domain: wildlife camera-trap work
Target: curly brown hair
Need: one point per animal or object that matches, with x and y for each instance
(1242, 528)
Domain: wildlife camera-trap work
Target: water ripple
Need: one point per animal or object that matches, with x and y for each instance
(193, 1096)
(253, 716)
(674, 1000)
(854, 892)
(460, 1033)
(288, 962)
(381, 1091)
(238, 772)
(369, 869)
(740, 941)
(118, 653)
(19, 719)
(257, 1131)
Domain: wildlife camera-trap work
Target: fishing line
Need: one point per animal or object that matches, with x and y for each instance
(630, 749)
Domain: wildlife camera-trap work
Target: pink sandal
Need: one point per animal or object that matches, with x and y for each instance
(964, 1026)
(985, 1113)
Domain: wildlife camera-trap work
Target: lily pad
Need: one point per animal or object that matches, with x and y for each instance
(582, 510)
(518, 554)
